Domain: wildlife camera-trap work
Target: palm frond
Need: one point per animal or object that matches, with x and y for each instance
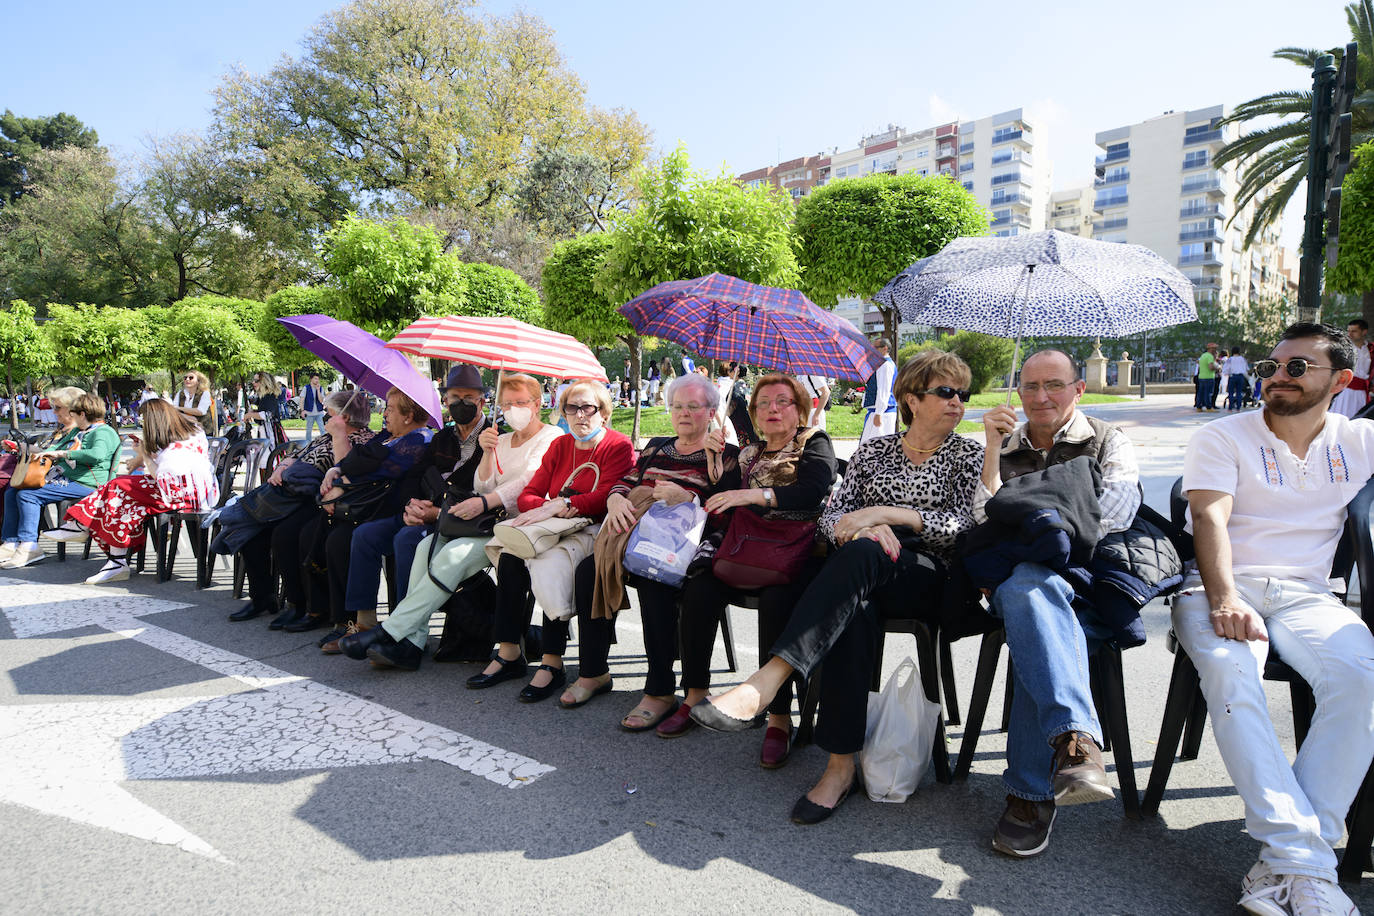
(1268, 211)
(1275, 104)
(1253, 143)
(1306, 57)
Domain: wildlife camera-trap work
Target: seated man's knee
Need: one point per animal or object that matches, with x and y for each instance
(1029, 579)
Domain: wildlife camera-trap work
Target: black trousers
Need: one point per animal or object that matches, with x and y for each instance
(658, 613)
(837, 620)
(338, 545)
(513, 615)
(276, 550)
(704, 599)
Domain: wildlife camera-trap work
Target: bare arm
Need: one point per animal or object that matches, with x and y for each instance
(1230, 617)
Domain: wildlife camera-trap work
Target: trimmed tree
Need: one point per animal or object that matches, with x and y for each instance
(288, 303)
(1354, 270)
(490, 290)
(211, 339)
(856, 234)
(689, 225)
(24, 348)
(99, 341)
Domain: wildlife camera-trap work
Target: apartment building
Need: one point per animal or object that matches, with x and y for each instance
(1158, 186)
(1071, 211)
(1002, 161)
(795, 176)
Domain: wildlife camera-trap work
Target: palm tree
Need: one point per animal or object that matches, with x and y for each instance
(1274, 158)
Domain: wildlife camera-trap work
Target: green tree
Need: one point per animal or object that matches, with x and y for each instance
(689, 225)
(22, 138)
(988, 357)
(204, 335)
(99, 341)
(1273, 156)
(384, 275)
(1354, 270)
(858, 233)
(496, 291)
(24, 348)
(288, 303)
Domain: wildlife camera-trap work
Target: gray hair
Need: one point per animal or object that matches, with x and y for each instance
(355, 406)
(64, 397)
(710, 394)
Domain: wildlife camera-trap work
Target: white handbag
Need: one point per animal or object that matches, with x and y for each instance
(901, 731)
(529, 541)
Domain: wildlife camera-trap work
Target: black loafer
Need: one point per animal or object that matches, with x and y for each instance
(307, 623)
(288, 615)
(533, 694)
(401, 654)
(705, 713)
(807, 812)
(247, 612)
(355, 645)
(510, 669)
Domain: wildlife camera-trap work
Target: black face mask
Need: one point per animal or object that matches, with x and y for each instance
(462, 412)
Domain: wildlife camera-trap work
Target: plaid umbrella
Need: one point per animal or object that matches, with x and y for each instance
(364, 358)
(722, 317)
(500, 343)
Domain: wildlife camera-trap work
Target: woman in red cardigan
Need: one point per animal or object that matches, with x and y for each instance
(566, 487)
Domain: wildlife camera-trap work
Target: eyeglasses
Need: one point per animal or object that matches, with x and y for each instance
(1296, 367)
(189, 378)
(1053, 386)
(946, 392)
(526, 402)
(690, 408)
(471, 399)
(780, 404)
(580, 410)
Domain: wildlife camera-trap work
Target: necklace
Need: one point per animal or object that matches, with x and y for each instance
(922, 451)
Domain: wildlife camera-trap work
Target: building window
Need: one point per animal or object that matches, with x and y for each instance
(1195, 159)
(922, 153)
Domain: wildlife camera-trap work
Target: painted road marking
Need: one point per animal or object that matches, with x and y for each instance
(68, 758)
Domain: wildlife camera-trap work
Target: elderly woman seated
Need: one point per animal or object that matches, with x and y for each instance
(903, 502)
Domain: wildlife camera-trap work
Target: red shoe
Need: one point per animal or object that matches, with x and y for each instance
(777, 744)
(678, 724)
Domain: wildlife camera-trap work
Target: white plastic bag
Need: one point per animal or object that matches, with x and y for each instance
(664, 541)
(901, 731)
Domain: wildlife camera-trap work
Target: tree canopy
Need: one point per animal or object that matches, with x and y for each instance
(288, 303)
(22, 138)
(99, 341)
(1354, 270)
(856, 234)
(489, 290)
(204, 334)
(24, 348)
(572, 303)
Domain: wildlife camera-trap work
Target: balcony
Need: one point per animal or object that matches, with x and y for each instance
(1206, 283)
(1199, 260)
(1019, 135)
(945, 152)
(1015, 219)
(1009, 178)
(1011, 200)
(1115, 155)
(1191, 164)
(1107, 225)
(1200, 212)
(1201, 235)
(1115, 178)
(1208, 136)
(1105, 201)
(1203, 186)
(965, 167)
(966, 149)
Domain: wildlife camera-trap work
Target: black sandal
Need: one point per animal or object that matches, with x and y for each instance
(511, 668)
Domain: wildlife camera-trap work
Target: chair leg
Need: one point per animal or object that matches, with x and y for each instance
(1197, 722)
(1007, 693)
(167, 557)
(1180, 704)
(1360, 824)
(1098, 695)
(1304, 707)
(240, 572)
(988, 654)
(810, 699)
(727, 632)
(949, 682)
(205, 561)
(1113, 685)
(930, 681)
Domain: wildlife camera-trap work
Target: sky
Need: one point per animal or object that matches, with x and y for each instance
(742, 84)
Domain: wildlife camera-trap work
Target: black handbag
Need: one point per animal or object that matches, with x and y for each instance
(480, 526)
(359, 502)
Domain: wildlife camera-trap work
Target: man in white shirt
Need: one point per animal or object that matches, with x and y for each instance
(1353, 398)
(880, 416)
(819, 386)
(1054, 739)
(1237, 383)
(1267, 497)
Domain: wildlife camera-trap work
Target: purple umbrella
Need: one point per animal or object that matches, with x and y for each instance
(365, 359)
(727, 318)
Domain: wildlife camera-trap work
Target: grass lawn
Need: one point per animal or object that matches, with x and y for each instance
(841, 421)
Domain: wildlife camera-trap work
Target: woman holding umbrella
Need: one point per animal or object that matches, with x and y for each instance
(572, 481)
(788, 476)
(893, 523)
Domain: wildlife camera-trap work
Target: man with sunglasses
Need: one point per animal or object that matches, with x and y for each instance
(1054, 740)
(1267, 497)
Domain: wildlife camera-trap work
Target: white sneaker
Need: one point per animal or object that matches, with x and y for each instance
(112, 571)
(1318, 897)
(65, 534)
(7, 550)
(25, 555)
(1264, 892)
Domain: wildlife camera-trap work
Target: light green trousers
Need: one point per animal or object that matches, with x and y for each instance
(454, 561)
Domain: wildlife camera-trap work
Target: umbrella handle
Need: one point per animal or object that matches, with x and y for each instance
(500, 375)
(1020, 329)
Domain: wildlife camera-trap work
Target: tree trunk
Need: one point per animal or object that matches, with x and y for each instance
(9, 388)
(1367, 305)
(890, 319)
(632, 342)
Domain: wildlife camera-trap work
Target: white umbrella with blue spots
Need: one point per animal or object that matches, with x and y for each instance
(1042, 283)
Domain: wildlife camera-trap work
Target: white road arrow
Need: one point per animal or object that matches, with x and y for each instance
(69, 758)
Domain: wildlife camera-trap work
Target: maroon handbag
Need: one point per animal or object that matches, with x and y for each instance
(758, 552)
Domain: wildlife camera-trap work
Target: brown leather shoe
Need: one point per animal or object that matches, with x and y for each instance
(1078, 773)
(332, 646)
(1024, 828)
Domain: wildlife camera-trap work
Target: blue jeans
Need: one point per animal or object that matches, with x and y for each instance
(1237, 387)
(1051, 693)
(371, 542)
(22, 507)
(314, 419)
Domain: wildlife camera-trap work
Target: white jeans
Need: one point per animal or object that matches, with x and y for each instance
(1296, 812)
(887, 425)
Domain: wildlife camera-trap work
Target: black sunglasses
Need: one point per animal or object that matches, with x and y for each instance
(946, 392)
(1296, 367)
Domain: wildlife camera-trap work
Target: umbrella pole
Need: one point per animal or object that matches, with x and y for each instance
(500, 377)
(1020, 328)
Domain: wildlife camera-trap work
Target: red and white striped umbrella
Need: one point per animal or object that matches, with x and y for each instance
(500, 343)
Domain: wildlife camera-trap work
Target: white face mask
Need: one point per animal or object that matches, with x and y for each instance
(519, 417)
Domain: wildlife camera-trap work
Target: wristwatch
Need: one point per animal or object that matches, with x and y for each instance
(567, 501)
(768, 498)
